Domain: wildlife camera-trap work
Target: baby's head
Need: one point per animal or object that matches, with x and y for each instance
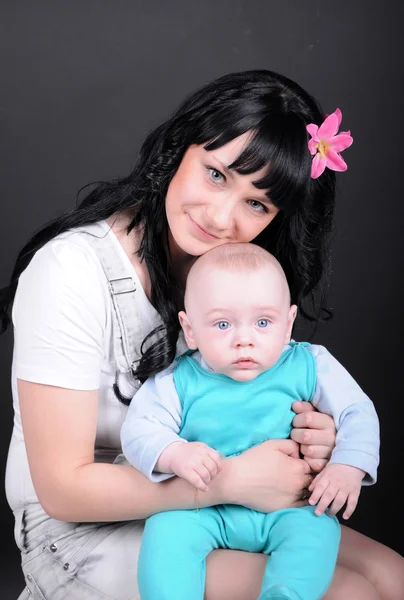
(237, 310)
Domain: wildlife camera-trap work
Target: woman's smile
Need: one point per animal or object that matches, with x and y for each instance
(199, 231)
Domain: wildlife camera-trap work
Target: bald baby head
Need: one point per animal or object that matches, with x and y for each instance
(237, 310)
(234, 258)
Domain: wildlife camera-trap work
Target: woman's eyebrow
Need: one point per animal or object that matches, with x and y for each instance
(225, 168)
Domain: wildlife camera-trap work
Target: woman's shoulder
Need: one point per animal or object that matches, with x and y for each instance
(68, 255)
(65, 271)
(62, 315)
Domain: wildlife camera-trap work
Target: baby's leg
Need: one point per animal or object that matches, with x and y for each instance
(303, 552)
(172, 559)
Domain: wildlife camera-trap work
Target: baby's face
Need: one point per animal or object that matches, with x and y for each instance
(239, 321)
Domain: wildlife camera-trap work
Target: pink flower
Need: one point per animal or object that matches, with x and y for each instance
(325, 145)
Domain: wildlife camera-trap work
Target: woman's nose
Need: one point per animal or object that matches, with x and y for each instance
(220, 214)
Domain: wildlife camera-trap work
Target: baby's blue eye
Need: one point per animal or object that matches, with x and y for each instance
(263, 323)
(223, 325)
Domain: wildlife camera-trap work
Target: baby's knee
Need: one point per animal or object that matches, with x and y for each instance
(171, 533)
(161, 533)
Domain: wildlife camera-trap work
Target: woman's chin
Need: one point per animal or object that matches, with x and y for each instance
(187, 245)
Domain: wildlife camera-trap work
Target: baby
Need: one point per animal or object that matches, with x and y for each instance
(232, 391)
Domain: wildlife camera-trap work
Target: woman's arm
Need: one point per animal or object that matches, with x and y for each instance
(59, 429)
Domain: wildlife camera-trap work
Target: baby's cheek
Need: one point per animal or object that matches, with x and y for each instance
(214, 352)
(271, 357)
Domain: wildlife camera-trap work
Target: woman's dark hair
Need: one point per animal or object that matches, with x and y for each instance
(276, 110)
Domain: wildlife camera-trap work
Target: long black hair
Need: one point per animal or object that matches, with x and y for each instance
(276, 111)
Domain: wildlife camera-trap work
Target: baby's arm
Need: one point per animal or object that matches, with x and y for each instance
(150, 439)
(355, 457)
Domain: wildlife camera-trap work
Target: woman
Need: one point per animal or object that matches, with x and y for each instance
(231, 165)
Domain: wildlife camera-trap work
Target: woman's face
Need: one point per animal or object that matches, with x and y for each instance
(208, 205)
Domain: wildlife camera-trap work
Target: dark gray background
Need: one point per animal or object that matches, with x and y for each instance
(83, 82)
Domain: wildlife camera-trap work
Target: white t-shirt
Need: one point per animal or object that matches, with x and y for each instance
(62, 318)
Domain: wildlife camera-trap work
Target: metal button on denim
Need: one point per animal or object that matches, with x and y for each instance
(53, 547)
(66, 566)
(29, 577)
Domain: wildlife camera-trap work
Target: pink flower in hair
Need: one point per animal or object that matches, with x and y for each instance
(326, 144)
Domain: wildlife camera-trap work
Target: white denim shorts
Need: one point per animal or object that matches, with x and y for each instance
(77, 561)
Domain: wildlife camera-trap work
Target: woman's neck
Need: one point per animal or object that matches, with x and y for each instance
(180, 261)
(119, 224)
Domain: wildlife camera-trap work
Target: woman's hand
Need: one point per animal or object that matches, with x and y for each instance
(267, 477)
(315, 432)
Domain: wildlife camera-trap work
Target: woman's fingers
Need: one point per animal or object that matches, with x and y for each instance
(302, 407)
(308, 480)
(304, 494)
(286, 446)
(316, 451)
(316, 464)
(313, 420)
(314, 437)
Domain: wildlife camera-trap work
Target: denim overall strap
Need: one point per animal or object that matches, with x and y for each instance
(126, 326)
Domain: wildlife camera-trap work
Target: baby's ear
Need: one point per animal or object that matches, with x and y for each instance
(187, 329)
(291, 319)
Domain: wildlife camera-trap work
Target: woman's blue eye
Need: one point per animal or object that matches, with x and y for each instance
(216, 175)
(223, 325)
(263, 323)
(258, 206)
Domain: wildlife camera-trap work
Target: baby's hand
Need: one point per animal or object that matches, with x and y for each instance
(195, 462)
(338, 484)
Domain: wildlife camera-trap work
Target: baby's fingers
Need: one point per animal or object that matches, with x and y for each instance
(211, 466)
(317, 488)
(194, 479)
(338, 503)
(215, 456)
(350, 505)
(323, 494)
(325, 500)
(203, 473)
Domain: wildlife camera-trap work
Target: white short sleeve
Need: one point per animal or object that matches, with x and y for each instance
(59, 315)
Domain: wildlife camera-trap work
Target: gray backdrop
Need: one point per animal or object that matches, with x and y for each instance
(83, 82)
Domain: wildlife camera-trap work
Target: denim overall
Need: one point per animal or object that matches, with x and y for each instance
(88, 561)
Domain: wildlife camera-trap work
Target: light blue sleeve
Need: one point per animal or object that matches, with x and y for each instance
(152, 423)
(338, 395)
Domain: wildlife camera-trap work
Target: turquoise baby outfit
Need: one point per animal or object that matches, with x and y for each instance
(231, 417)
